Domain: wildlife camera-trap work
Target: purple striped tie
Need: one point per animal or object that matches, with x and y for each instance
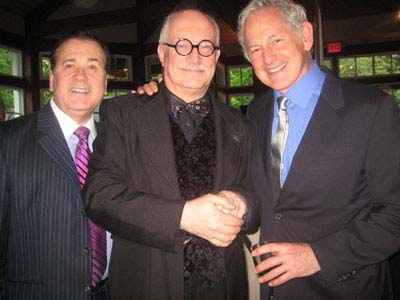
(98, 235)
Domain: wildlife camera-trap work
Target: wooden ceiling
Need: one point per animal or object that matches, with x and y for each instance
(149, 13)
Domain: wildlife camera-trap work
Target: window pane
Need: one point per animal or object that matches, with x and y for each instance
(235, 101)
(13, 100)
(111, 94)
(327, 63)
(120, 66)
(364, 66)
(45, 65)
(247, 76)
(46, 96)
(247, 99)
(383, 64)
(396, 63)
(10, 62)
(235, 77)
(239, 100)
(347, 67)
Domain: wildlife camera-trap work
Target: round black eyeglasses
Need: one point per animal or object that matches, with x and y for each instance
(184, 47)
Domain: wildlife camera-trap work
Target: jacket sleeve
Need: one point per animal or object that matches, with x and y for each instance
(113, 202)
(372, 239)
(243, 184)
(4, 220)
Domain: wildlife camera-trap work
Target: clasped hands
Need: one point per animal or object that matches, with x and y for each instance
(217, 218)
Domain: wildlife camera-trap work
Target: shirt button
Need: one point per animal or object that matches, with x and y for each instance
(278, 216)
(87, 288)
(86, 250)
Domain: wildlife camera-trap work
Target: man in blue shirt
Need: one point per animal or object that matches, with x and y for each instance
(333, 217)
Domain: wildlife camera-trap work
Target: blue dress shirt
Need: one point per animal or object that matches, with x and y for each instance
(302, 99)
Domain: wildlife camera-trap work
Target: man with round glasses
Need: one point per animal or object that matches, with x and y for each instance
(169, 177)
(184, 47)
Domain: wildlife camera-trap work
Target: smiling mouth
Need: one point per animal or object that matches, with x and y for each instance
(80, 90)
(277, 69)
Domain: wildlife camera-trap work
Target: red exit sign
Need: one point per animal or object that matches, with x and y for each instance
(334, 47)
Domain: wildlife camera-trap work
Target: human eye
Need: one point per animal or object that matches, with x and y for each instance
(68, 66)
(276, 42)
(93, 67)
(254, 50)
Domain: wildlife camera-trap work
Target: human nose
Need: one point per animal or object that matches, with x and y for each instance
(268, 54)
(80, 73)
(194, 55)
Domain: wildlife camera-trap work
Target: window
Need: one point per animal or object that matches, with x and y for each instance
(383, 64)
(45, 97)
(13, 100)
(240, 76)
(44, 64)
(115, 93)
(239, 100)
(370, 65)
(120, 68)
(10, 61)
(327, 63)
(395, 93)
(152, 66)
(347, 67)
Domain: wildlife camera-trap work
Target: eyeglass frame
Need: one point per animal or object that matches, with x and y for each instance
(215, 48)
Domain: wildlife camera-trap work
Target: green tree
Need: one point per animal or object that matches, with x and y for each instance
(5, 61)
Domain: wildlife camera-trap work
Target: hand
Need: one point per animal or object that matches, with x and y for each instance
(237, 200)
(148, 88)
(288, 261)
(202, 217)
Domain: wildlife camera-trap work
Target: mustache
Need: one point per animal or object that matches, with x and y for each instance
(195, 67)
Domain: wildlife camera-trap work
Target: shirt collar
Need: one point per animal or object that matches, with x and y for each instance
(68, 125)
(301, 93)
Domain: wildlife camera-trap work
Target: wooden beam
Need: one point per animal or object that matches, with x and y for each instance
(104, 19)
(46, 8)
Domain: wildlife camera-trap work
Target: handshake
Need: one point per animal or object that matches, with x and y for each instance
(216, 218)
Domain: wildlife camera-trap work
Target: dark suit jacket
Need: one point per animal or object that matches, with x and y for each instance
(342, 193)
(132, 190)
(44, 231)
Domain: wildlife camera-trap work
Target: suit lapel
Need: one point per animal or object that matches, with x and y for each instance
(52, 140)
(263, 117)
(153, 125)
(322, 127)
(227, 135)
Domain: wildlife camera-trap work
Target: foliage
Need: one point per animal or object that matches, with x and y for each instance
(240, 76)
(238, 100)
(5, 61)
(45, 67)
(8, 97)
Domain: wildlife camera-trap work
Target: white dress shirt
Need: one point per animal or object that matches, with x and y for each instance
(68, 127)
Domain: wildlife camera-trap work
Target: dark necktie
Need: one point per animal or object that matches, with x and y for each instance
(98, 235)
(279, 140)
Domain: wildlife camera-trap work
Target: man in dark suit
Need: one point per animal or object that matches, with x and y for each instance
(169, 177)
(330, 181)
(46, 250)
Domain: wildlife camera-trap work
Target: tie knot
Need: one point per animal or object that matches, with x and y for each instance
(82, 132)
(282, 102)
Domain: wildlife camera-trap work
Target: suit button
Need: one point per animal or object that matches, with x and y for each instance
(354, 272)
(87, 288)
(340, 279)
(278, 216)
(86, 250)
